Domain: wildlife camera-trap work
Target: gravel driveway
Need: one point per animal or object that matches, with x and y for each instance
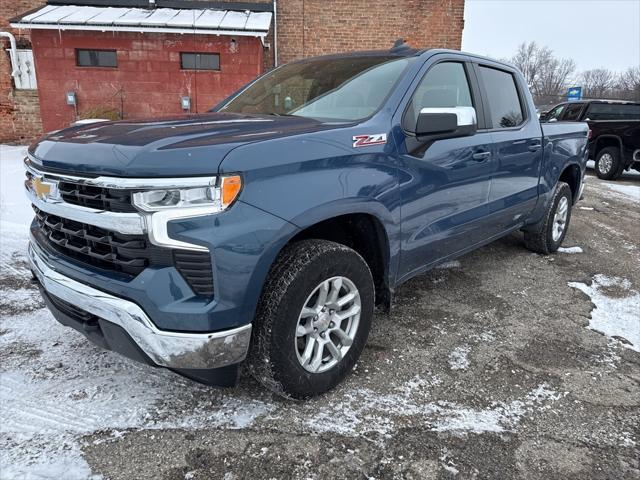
(503, 364)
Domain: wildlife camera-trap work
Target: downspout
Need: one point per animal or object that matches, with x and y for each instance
(275, 33)
(13, 53)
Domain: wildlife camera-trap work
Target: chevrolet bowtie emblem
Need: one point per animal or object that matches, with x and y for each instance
(40, 188)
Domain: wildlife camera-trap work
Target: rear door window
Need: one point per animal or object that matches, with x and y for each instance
(503, 98)
(612, 111)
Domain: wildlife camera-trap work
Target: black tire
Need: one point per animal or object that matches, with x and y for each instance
(606, 170)
(539, 237)
(298, 270)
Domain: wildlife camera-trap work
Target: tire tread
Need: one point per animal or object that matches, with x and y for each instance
(536, 238)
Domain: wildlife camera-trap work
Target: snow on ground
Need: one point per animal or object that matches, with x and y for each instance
(626, 188)
(615, 317)
(15, 211)
(364, 410)
(570, 250)
(632, 192)
(459, 358)
(79, 389)
(449, 264)
(500, 417)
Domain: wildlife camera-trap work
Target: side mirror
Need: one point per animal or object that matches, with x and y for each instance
(447, 122)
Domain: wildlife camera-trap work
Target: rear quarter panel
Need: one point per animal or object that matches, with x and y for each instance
(565, 144)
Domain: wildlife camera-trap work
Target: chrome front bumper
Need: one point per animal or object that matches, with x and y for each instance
(167, 349)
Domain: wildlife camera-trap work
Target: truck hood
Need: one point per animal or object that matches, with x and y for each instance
(187, 145)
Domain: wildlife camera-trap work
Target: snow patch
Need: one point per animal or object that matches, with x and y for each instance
(499, 417)
(450, 264)
(363, 411)
(458, 359)
(630, 191)
(570, 250)
(614, 317)
(15, 210)
(21, 298)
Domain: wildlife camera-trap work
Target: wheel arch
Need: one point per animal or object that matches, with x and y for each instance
(364, 233)
(607, 140)
(572, 175)
(366, 228)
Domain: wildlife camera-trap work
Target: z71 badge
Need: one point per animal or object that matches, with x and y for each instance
(367, 140)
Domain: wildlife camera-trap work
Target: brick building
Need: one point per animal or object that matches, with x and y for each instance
(137, 58)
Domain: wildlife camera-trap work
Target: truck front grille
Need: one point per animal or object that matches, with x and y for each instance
(126, 254)
(100, 198)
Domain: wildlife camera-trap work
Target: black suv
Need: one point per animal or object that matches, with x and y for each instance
(614, 132)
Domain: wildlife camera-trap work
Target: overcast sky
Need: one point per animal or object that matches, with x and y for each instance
(594, 33)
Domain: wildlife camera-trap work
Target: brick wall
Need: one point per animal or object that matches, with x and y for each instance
(19, 110)
(148, 80)
(316, 27)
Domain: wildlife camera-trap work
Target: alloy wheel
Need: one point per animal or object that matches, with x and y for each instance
(327, 324)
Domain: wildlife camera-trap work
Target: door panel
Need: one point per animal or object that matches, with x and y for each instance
(517, 140)
(514, 186)
(444, 199)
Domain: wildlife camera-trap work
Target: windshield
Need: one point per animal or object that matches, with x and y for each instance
(343, 89)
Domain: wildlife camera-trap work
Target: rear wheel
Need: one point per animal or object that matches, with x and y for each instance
(313, 319)
(547, 235)
(608, 163)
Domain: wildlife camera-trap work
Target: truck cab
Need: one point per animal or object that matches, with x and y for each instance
(265, 232)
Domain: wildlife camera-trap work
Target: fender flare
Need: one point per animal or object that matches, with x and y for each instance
(606, 136)
(327, 211)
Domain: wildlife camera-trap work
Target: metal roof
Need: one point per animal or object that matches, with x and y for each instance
(162, 20)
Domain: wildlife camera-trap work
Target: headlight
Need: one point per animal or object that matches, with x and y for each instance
(211, 198)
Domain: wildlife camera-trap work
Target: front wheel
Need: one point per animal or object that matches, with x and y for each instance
(313, 318)
(547, 235)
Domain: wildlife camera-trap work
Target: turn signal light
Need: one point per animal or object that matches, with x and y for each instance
(230, 187)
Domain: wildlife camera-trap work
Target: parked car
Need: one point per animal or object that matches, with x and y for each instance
(270, 228)
(614, 136)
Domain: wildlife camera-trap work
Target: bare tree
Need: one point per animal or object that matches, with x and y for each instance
(530, 59)
(598, 83)
(629, 84)
(547, 76)
(554, 80)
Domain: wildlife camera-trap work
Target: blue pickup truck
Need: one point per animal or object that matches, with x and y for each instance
(265, 232)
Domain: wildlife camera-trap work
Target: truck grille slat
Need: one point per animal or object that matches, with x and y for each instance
(90, 196)
(196, 269)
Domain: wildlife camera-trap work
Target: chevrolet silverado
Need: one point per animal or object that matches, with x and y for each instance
(265, 232)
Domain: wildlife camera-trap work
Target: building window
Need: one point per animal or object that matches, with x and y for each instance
(199, 61)
(96, 58)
